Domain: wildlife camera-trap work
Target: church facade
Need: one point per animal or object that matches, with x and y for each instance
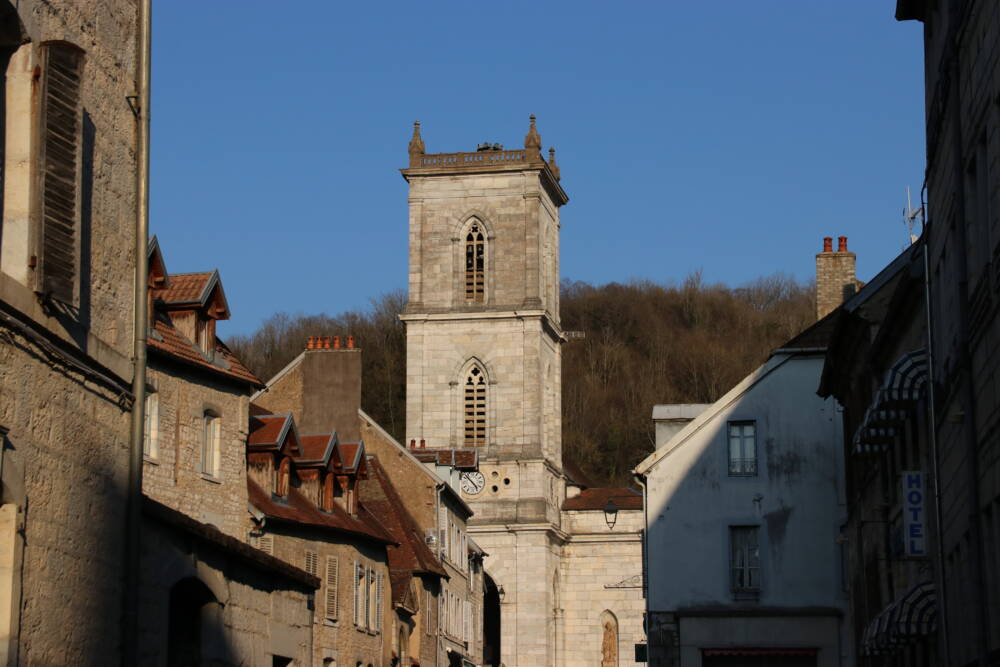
(484, 371)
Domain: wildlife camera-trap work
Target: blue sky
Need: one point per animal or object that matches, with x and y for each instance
(723, 136)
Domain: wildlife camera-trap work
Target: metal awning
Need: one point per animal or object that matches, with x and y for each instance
(903, 384)
(907, 620)
(907, 379)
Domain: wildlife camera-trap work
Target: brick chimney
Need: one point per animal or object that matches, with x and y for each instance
(331, 389)
(835, 276)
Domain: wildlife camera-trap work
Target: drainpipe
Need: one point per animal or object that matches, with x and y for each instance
(130, 609)
(932, 437)
(641, 481)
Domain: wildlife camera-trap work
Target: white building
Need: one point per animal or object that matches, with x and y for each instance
(743, 516)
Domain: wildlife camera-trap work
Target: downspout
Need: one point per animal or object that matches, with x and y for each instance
(439, 634)
(641, 481)
(130, 625)
(932, 437)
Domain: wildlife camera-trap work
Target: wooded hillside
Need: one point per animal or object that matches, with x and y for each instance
(642, 344)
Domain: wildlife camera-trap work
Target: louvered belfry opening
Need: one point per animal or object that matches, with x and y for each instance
(475, 265)
(475, 408)
(60, 169)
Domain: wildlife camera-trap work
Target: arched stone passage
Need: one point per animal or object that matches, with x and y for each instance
(192, 616)
(491, 622)
(609, 639)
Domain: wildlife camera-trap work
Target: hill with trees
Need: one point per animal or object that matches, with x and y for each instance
(639, 344)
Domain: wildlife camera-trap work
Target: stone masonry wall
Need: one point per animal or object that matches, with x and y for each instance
(173, 476)
(835, 278)
(337, 638)
(593, 558)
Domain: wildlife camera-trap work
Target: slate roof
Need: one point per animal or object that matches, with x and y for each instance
(171, 342)
(299, 509)
(596, 499)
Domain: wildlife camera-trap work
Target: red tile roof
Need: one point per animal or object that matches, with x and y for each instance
(171, 342)
(460, 458)
(380, 496)
(185, 288)
(227, 543)
(316, 447)
(299, 509)
(266, 430)
(350, 455)
(596, 499)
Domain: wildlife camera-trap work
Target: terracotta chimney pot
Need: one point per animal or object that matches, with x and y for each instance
(310, 342)
(423, 444)
(336, 342)
(841, 244)
(350, 342)
(827, 244)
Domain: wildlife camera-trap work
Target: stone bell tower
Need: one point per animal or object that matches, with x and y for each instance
(484, 361)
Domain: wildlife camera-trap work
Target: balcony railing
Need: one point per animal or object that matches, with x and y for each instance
(742, 467)
(477, 159)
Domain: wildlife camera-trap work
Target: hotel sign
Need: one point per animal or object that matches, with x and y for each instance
(914, 514)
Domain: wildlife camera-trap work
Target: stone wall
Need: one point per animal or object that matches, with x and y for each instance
(594, 558)
(337, 638)
(66, 451)
(173, 476)
(253, 612)
(835, 276)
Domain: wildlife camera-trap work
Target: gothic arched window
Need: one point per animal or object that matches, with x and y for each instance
(475, 407)
(475, 264)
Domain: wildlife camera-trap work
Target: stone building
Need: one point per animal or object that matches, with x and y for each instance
(304, 494)
(67, 234)
(484, 372)
(960, 253)
(206, 595)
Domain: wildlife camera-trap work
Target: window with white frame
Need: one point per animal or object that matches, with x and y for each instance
(211, 443)
(742, 449)
(151, 427)
(745, 558)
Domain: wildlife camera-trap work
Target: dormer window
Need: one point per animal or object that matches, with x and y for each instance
(284, 475)
(205, 334)
(328, 493)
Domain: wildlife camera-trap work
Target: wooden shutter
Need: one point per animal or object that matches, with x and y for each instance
(443, 529)
(266, 544)
(378, 601)
(428, 606)
(332, 570)
(59, 163)
(357, 593)
(312, 563)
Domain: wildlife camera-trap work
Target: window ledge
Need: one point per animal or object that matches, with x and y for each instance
(146, 458)
(210, 478)
(331, 622)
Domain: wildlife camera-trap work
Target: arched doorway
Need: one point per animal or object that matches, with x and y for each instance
(609, 639)
(190, 605)
(491, 622)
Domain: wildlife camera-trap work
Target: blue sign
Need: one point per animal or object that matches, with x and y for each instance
(914, 514)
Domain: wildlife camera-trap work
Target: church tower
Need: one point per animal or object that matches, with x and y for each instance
(484, 361)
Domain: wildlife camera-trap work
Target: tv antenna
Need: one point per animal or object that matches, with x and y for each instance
(910, 215)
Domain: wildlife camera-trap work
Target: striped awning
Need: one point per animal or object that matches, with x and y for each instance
(906, 380)
(907, 620)
(874, 435)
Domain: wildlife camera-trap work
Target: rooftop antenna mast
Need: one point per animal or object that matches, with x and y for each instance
(910, 215)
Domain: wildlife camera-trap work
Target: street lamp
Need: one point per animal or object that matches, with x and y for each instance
(501, 593)
(611, 514)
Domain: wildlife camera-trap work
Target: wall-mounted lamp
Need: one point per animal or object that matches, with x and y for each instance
(611, 514)
(501, 593)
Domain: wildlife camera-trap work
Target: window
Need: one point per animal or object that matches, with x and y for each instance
(743, 449)
(284, 475)
(210, 444)
(745, 551)
(475, 408)
(332, 571)
(312, 563)
(263, 542)
(59, 159)
(151, 428)
(359, 578)
(475, 264)
(428, 605)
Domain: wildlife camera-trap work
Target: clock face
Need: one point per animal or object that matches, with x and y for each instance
(473, 482)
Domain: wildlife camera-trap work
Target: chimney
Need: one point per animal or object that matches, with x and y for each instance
(331, 390)
(835, 276)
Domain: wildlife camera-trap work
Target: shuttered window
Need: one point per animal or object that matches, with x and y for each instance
(475, 408)
(475, 264)
(266, 544)
(359, 575)
(312, 563)
(378, 602)
(59, 160)
(428, 605)
(332, 571)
